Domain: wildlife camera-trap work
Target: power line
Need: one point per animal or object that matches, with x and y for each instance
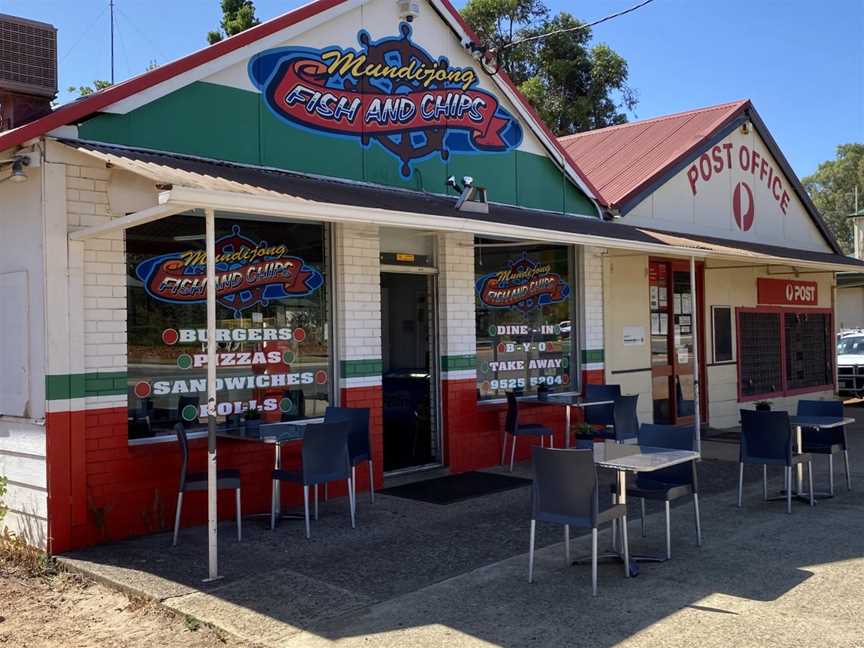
(489, 57)
(84, 33)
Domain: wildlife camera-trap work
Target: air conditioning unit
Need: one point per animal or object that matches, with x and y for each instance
(28, 57)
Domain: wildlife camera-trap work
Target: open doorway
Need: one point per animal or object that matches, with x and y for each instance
(409, 371)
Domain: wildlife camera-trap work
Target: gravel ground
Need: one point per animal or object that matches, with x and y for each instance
(69, 611)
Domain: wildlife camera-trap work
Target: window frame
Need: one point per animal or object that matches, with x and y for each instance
(575, 305)
(733, 322)
(781, 312)
(329, 266)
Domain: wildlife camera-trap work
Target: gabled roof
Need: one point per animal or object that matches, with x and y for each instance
(82, 108)
(626, 163)
(619, 160)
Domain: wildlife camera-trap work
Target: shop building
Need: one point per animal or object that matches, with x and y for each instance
(394, 229)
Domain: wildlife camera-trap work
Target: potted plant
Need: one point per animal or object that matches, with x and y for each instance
(584, 430)
(763, 406)
(252, 423)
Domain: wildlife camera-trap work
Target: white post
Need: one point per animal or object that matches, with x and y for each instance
(694, 308)
(212, 514)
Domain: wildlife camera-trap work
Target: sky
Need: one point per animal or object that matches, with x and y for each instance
(801, 62)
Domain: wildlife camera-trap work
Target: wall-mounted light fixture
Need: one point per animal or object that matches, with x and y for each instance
(17, 163)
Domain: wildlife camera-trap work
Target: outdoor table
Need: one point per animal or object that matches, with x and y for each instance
(819, 423)
(626, 458)
(276, 434)
(567, 401)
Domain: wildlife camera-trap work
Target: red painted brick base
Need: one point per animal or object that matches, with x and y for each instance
(100, 488)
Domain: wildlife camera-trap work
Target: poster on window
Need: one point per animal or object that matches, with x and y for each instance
(523, 320)
(271, 334)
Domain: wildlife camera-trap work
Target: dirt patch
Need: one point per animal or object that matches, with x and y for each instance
(67, 610)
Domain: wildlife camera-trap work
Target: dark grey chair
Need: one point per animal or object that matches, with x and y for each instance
(766, 440)
(324, 459)
(671, 483)
(826, 442)
(359, 445)
(514, 428)
(226, 478)
(565, 491)
(601, 415)
(625, 421)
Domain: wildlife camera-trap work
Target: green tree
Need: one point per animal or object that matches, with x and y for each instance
(573, 85)
(832, 189)
(237, 16)
(83, 91)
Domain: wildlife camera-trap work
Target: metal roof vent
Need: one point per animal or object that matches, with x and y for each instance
(28, 70)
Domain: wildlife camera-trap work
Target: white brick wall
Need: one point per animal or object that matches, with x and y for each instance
(356, 256)
(104, 275)
(592, 304)
(456, 294)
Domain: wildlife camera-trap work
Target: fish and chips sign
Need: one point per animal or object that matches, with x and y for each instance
(523, 285)
(248, 273)
(391, 91)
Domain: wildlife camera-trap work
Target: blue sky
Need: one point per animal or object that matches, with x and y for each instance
(801, 62)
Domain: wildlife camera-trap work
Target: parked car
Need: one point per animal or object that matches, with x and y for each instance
(850, 363)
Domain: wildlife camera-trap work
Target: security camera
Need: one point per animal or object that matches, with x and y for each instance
(468, 181)
(451, 182)
(408, 9)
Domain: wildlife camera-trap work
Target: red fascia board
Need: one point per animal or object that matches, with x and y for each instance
(82, 108)
(527, 105)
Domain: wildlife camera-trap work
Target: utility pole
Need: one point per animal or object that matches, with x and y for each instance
(111, 12)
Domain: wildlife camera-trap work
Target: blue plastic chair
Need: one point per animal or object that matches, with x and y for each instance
(625, 421)
(670, 483)
(826, 442)
(766, 440)
(601, 415)
(565, 491)
(359, 445)
(325, 459)
(514, 428)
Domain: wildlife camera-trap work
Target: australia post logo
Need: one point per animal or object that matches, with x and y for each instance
(524, 285)
(248, 272)
(390, 91)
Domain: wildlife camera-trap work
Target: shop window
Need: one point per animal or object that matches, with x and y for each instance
(524, 319)
(721, 325)
(782, 351)
(271, 320)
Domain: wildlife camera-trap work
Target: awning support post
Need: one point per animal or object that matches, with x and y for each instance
(212, 513)
(696, 315)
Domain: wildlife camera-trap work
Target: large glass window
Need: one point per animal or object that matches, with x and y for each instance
(782, 351)
(524, 315)
(271, 319)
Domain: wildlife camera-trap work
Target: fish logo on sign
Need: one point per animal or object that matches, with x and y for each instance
(523, 285)
(743, 206)
(390, 91)
(248, 272)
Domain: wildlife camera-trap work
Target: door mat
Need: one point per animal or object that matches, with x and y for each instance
(456, 488)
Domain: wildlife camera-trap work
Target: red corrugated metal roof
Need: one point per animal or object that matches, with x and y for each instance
(620, 160)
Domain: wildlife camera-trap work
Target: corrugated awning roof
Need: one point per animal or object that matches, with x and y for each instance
(177, 171)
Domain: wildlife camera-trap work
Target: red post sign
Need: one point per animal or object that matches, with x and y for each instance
(786, 292)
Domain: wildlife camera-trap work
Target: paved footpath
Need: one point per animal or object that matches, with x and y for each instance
(762, 578)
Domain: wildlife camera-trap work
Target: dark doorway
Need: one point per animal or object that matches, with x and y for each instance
(407, 330)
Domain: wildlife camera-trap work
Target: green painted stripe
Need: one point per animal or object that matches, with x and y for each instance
(361, 368)
(592, 355)
(458, 362)
(242, 129)
(81, 385)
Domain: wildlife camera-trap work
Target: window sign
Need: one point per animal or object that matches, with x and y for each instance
(272, 353)
(524, 320)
